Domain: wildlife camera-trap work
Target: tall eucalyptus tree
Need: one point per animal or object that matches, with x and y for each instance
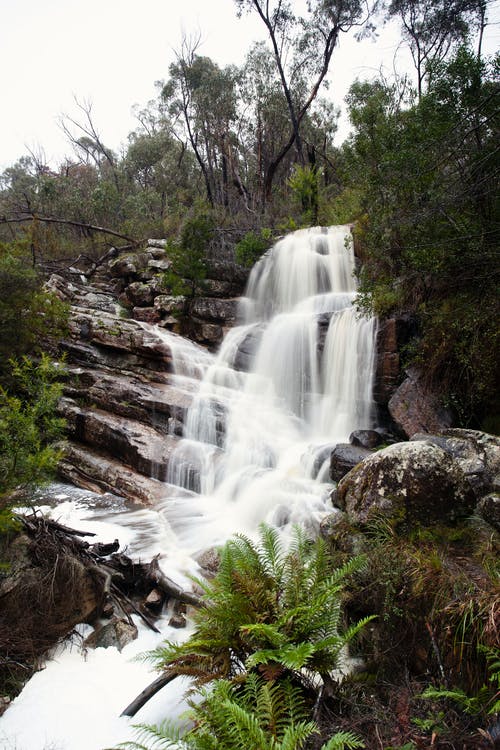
(302, 46)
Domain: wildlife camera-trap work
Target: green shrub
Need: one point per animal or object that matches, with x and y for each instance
(253, 245)
(188, 253)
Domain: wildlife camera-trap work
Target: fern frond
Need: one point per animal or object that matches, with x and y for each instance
(296, 735)
(343, 741)
(272, 550)
(264, 632)
(291, 656)
(165, 736)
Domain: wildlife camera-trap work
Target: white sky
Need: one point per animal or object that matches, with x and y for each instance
(112, 51)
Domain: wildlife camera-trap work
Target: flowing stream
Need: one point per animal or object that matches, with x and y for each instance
(288, 383)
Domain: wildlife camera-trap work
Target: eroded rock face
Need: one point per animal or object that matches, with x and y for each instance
(415, 409)
(415, 482)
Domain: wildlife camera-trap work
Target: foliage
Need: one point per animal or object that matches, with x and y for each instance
(188, 254)
(257, 714)
(29, 427)
(437, 604)
(249, 249)
(304, 184)
(275, 610)
(27, 312)
(428, 218)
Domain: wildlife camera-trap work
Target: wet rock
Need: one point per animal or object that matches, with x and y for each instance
(88, 468)
(365, 439)
(392, 335)
(146, 314)
(407, 483)
(344, 457)
(137, 445)
(489, 509)
(209, 334)
(477, 453)
(115, 634)
(209, 562)
(177, 621)
(247, 349)
(414, 408)
(139, 294)
(214, 309)
(155, 600)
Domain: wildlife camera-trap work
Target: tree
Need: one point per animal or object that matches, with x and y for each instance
(427, 170)
(201, 97)
(28, 314)
(188, 254)
(432, 28)
(302, 47)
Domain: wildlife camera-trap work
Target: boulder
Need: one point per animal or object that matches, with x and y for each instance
(344, 457)
(167, 304)
(489, 509)
(407, 483)
(139, 294)
(127, 265)
(414, 408)
(365, 439)
(117, 633)
(477, 453)
(213, 309)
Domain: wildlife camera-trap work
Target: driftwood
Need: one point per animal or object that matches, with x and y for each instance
(148, 692)
(169, 587)
(126, 582)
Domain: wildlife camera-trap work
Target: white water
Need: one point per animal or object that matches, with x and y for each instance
(255, 443)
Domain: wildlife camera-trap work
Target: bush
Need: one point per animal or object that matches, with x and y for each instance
(249, 249)
(29, 429)
(188, 254)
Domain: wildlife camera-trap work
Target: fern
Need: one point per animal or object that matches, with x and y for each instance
(267, 605)
(343, 741)
(257, 714)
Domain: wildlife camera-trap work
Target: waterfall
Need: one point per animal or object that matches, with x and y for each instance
(293, 377)
(291, 380)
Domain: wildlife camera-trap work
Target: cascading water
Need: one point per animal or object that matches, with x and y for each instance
(287, 384)
(304, 381)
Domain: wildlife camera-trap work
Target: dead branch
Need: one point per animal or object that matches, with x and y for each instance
(169, 587)
(148, 692)
(70, 223)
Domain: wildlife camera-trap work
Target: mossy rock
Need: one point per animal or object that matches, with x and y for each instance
(408, 484)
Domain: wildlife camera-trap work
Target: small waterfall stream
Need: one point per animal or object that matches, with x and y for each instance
(293, 379)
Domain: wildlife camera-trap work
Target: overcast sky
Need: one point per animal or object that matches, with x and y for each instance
(111, 52)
